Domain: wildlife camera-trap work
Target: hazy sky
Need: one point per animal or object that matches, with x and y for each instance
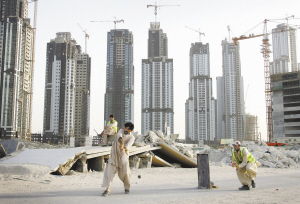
(212, 17)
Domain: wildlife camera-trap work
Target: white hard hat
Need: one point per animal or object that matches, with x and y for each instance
(237, 143)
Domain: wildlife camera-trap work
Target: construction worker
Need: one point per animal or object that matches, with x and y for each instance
(110, 129)
(118, 161)
(245, 164)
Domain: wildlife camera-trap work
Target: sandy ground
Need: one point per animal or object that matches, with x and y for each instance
(157, 185)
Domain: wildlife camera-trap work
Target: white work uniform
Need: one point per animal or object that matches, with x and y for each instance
(246, 171)
(118, 161)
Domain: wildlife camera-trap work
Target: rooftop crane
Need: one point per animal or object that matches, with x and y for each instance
(86, 36)
(110, 21)
(265, 50)
(229, 32)
(155, 6)
(197, 31)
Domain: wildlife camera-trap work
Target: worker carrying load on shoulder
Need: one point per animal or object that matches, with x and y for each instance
(110, 129)
(245, 164)
(118, 161)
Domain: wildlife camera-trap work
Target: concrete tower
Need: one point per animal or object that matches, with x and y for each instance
(157, 84)
(119, 96)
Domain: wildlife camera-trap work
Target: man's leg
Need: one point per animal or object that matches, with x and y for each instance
(251, 172)
(104, 139)
(124, 175)
(243, 178)
(109, 174)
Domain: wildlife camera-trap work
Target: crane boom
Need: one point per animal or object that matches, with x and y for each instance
(86, 36)
(110, 21)
(243, 37)
(266, 55)
(197, 31)
(155, 6)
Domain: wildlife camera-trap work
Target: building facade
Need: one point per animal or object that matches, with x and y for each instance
(60, 87)
(119, 96)
(230, 94)
(220, 109)
(200, 110)
(157, 84)
(82, 99)
(284, 50)
(251, 129)
(286, 105)
(16, 69)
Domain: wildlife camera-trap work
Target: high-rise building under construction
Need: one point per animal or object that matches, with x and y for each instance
(119, 95)
(16, 69)
(284, 50)
(230, 92)
(67, 90)
(200, 107)
(157, 84)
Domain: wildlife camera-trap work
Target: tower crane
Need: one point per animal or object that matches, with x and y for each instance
(197, 31)
(229, 32)
(265, 50)
(86, 36)
(110, 21)
(155, 6)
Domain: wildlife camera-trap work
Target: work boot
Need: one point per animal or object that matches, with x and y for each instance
(253, 184)
(126, 191)
(244, 188)
(105, 193)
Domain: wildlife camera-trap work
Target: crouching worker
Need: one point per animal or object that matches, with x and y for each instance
(109, 131)
(119, 159)
(245, 164)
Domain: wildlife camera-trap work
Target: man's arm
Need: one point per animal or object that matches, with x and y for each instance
(119, 134)
(233, 160)
(130, 142)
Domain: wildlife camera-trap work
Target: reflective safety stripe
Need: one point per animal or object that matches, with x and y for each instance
(113, 127)
(238, 156)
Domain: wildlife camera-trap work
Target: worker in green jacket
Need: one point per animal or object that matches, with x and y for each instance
(109, 131)
(245, 164)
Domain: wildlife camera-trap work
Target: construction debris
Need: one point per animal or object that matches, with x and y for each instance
(3, 153)
(171, 153)
(82, 159)
(12, 145)
(159, 162)
(272, 157)
(154, 149)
